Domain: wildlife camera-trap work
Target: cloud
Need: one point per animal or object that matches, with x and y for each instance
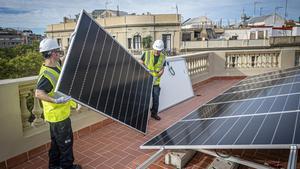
(5, 10)
(39, 14)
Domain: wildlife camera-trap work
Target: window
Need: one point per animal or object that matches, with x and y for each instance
(129, 43)
(197, 35)
(137, 42)
(59, 42)
(260, 35)
(167, 41)
(186, 36)
(252, 35)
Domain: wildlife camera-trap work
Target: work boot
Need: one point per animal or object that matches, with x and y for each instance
(76, 166)
(57, 167)
(155, 116)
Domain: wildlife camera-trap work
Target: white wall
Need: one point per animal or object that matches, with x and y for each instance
(242, 33)
(278, 21)
(277, 32)
(296, 31)
(267, 32)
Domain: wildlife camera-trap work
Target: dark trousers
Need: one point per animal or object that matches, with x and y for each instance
(61, 151)
(155, 99)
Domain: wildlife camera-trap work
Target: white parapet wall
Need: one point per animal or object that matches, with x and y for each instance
(17, 134)
(205, 65)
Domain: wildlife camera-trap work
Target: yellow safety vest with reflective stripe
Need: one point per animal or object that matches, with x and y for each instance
(154, 69)
(54, 112)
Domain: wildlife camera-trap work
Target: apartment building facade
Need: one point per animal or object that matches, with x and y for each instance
(129, 30)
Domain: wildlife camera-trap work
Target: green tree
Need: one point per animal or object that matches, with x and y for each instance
(25, 65)
(20, 61)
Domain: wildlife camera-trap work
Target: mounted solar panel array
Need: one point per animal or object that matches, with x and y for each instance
(100, 74)
(259, 114)
(271, 75)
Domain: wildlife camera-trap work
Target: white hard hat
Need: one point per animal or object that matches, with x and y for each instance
(158, 45)
(48, 44)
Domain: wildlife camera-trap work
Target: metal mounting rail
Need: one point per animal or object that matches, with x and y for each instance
(292, 164)
(236, 160)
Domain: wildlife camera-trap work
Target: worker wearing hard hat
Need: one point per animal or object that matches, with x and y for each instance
(154, 60)
(56, 108)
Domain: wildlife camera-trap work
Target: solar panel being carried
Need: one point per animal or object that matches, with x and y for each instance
(100, 74)
(253, 117)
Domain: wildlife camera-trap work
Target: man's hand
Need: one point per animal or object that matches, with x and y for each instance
(160, 72)
(141, 61)
(62, 99)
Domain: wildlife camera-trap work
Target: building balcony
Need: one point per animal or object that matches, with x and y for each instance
(102, 143)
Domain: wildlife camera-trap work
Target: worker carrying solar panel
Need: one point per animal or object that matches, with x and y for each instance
(56, 108)
(155, 61)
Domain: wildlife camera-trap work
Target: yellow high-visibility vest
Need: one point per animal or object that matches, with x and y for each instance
(54, 112)
(154, 69)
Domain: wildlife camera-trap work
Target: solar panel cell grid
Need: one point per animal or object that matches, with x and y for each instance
(102, 75)
(268, 92)
(267, 84)
(254, 131)
(278, 72)
(248, 107)
(265, 117)
(271, 75)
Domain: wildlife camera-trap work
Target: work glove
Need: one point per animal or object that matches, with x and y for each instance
(154, 79)
(78, 107)
(62, 99)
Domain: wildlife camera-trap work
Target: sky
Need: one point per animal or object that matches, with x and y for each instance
(37, 14)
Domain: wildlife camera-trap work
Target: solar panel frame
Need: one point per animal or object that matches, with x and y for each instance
(149, 80)
(239, 108)
(286, 75)
(241, 146)
(171, 135)
(255, 94)
(262, 85)
(271, 74)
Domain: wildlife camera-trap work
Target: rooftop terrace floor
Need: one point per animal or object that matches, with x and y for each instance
(117, 146)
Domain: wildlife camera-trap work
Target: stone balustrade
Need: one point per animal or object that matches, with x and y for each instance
(197, 64)
(30, 106)
(257, 59)
(204, 65)
(22, 126)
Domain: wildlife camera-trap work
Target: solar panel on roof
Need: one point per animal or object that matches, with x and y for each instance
(260, 131)
(260, 119)
(270, 75)
(286, 89)
(265, 84)
(248, 107)
(99, 73)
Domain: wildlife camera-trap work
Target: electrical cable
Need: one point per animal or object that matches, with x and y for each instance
(170, 68)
